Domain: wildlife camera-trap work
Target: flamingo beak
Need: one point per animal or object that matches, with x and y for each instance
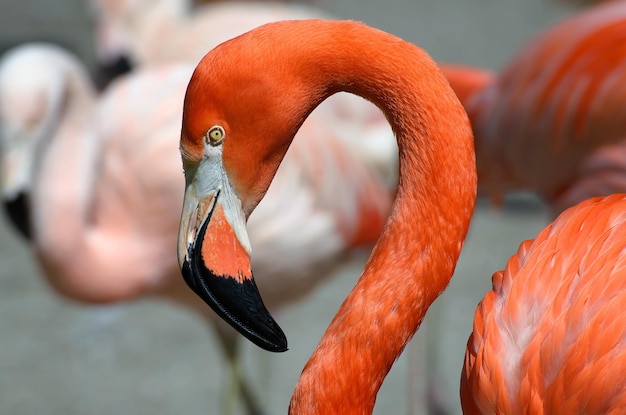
(16, 171)
(214, 256)
(17, 208)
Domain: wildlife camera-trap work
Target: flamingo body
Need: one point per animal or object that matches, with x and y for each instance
(550, 337)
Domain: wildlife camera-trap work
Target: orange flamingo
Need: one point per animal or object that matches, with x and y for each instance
(106, 187)
(541, 123)
(573, 274)
(228, 170)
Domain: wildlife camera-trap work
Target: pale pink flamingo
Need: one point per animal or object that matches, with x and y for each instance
(549, 338)
(106, 187)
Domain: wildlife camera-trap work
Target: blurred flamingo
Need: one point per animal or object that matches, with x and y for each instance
(550, 336)
(158, 31)
(150, 32)
(543, 123)
(105, 187)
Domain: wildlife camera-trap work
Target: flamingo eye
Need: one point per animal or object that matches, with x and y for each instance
(215, 136)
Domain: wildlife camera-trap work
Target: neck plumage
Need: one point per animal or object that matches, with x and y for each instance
(415, 256)
(63, 189)
(477, 89)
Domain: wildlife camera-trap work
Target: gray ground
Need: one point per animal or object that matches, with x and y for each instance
(152, 358)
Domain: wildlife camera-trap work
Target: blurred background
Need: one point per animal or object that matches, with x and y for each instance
(149, 357)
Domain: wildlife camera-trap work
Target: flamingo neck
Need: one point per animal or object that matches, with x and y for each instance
(64, 179)
(415, 256)
(477, 89)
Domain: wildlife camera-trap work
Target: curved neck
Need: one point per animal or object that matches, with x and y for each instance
(64, 178)
(415, 256)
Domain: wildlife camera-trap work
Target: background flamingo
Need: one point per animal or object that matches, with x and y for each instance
(92, 219)
(546, 339)
(551, 122)
(543, 122)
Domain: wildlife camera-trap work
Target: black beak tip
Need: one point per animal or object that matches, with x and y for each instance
(18, 211)
(237, 303)
(107, 72)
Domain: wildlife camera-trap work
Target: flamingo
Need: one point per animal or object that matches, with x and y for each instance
(218, 140)
(104, 184)
(518, 360)
(544, 122)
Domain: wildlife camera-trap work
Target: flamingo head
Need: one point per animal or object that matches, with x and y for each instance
(237, 125)
(32, 97)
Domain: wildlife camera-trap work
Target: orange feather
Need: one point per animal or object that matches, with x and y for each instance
(552, 332)
(540, 123)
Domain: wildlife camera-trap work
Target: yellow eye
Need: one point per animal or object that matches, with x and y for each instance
(215, 135)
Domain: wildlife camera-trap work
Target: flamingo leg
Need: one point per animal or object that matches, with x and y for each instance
(236, 386)
(434, 389)
(424, 386)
